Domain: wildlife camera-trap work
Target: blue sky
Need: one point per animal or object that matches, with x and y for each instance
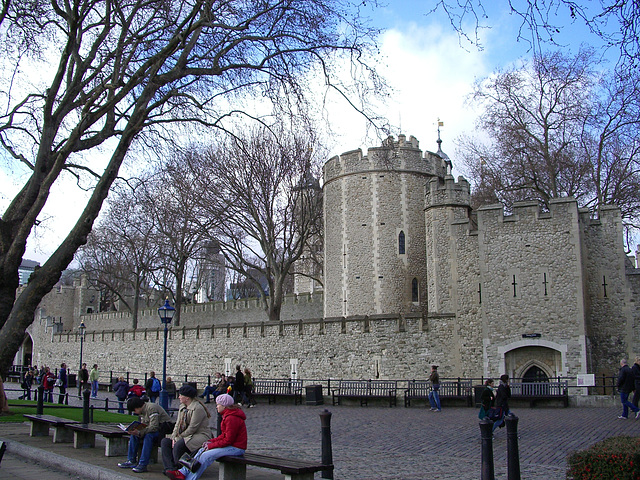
(423, 59)
(433, 70)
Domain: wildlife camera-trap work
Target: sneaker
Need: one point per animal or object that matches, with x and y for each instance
(139, 469)
(637, 414)
(175, 474)
(622, 418)
(127, 464)
(437, 410)
(432, 409)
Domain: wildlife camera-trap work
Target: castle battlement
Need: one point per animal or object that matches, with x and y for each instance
(441, 192)
(393, 156)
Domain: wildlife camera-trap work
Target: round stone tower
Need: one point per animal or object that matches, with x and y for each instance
(374, 261)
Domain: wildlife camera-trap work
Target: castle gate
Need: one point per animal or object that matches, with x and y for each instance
(533, 360)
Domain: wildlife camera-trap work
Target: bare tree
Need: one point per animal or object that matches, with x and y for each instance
(184, 229)
(615, 22)
(557, 127)
(268, 212)
(121, 255)
(111, 73)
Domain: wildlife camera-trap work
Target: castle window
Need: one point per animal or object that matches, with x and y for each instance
(401, 244)
(415, 293)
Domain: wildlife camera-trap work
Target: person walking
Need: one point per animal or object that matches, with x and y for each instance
(626, 384)
(83, 379)
(191, 429)
(635, 369)
(231, 442)
(120, 389)
(62, 382)
(434, 394)
(48, 381)
(248, 387)
(153, 387)
(238, 386)
(502, 400)
(487, 399)
(94, 375)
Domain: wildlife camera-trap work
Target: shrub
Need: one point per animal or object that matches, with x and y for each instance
(616, 458)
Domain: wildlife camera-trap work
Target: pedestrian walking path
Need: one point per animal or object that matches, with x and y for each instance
(368, 443)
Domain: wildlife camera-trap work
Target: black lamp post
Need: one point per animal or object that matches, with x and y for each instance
(166, 313)
(82, 328)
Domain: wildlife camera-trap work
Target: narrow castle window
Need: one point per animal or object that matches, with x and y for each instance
(415, 294)
(401, 249)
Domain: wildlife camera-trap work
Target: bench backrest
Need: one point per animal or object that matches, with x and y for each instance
(277, 387)
(448, 388)
(539, 389)
(367, 387)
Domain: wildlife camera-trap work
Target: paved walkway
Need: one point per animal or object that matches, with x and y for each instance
(368, 443)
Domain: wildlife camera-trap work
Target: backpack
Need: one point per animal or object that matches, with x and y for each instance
(155, 385)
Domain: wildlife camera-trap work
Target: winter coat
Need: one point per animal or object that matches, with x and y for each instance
(121, 389)
(192, 425)
(234, 431)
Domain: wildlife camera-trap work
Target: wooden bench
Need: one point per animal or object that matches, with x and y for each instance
(273, 389)
(117, 441)
(235, 468)
(449, 389)
(533, 392)
(40, 425)
(364, 390)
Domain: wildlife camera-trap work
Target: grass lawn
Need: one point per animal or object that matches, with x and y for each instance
(19, 407)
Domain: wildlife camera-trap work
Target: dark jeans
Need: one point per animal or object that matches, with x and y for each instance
(63, 390)
(171, 455)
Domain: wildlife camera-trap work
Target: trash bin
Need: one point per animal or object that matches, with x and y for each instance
(71, 380)
(193, 384)
(314, 395)
(477, 395)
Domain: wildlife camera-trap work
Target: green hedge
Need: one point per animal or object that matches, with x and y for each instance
(616, 458)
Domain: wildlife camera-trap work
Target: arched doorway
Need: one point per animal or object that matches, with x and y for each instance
(27, 351)
(535, 374)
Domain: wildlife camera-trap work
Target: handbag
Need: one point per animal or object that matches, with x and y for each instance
(58, 383)
(495, 413)
(189, 462)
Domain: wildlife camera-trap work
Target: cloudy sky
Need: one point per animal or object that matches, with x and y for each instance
(430, 69)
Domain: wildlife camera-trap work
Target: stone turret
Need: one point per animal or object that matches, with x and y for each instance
(374, 229)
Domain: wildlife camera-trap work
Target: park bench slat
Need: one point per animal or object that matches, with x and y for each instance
(285, 465)
(365, 390)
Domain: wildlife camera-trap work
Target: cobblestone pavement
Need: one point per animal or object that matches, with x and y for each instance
(400, 443)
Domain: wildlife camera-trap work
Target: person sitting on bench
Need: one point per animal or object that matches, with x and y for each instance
(232, 441)
(191, 430)
(157, 423)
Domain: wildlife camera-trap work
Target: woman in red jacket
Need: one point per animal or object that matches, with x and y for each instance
(232, 440)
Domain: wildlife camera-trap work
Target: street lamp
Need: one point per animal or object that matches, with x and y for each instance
(82, 328)
(166, 313)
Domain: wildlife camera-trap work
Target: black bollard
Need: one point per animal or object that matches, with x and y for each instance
(327, 454)
(85, 407)
(513, 456)
(486, 433)
(40, 407)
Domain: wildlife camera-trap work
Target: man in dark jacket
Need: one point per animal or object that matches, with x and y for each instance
(626, 385)
(238, 386)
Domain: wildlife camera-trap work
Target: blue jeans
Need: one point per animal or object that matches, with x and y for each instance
(434, 399)
(208, 391)
(94, 388)
(147, 443)
(206, 458)
(626, 404)
(121, 405)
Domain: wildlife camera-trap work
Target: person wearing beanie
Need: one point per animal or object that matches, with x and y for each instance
(191, 429)
(232, 440)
